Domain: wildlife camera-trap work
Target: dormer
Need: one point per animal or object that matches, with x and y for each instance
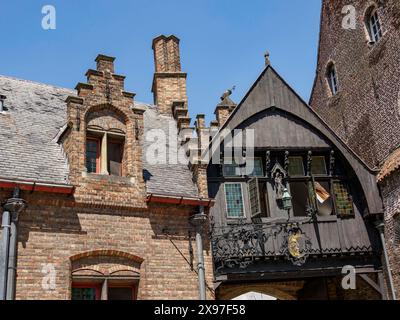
(103, 143)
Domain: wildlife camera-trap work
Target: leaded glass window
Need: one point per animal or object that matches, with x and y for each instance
(343, 200)
(234, 200)
(258, 168)
(231, 169)
(296, 166)
(318, 166)
(83, 293)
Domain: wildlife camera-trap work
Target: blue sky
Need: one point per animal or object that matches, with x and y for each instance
(222, 42)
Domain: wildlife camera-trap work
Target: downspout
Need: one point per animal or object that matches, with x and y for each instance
(15, 206)
(198, 221)
(381, 229)
(4, 254)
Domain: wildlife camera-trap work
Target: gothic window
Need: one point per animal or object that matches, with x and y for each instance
(373, 25)
(332, 79)
(234, 200)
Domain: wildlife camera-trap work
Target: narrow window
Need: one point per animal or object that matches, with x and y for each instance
(296, 166)
(332, 79)
(374, 26)
(254, 197)
(234, 200)
(343, 200)
(93, 155)
(121, 293)
(396, 220)
(114, 157)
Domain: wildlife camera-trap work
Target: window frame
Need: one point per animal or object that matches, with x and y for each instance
(98, 154)
(374, 37)
(332, 79)
(121, 142)
(244, 216)
(88, 285)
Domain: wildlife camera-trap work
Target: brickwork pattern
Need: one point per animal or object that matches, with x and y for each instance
(57, 230)
(365, 112)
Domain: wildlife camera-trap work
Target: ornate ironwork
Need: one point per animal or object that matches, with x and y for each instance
(243, 244)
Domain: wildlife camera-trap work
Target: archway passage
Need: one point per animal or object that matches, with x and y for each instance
(252, 295)
(259, 291)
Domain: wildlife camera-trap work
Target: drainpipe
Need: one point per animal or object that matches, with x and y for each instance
(198, 221)
(381, 229)
(15, 206)
(4, 254)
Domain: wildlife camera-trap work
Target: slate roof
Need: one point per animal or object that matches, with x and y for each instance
(34, 115)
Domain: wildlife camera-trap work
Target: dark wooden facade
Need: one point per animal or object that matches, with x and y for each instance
(253, 247)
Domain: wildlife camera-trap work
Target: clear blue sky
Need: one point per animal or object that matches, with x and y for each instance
(222, 42)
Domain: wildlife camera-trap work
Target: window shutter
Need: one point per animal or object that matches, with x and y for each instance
(343, 200)
(254, 196)
(312, 196)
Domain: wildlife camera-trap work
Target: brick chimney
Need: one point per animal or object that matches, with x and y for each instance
(169, 82)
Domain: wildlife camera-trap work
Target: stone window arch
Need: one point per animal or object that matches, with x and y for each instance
(106, 130)
(332, 78)
(105, 275)
(373, 24)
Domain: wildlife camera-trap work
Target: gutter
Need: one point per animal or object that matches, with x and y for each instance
(158, 198)
(36, 186)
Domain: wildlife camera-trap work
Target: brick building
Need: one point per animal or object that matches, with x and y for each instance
(357, 92)
(102, 221)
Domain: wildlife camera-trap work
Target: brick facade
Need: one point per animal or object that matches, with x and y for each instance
(109, 227)
(153, 241)
(366, 111)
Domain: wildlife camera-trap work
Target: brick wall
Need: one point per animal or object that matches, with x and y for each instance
(365, 113)
(391, 197)
(55, 229)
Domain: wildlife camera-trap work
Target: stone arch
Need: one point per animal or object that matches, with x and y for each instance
(106, 263)
(106, 252)
(106, 117)
(280, 291)
(369, 7)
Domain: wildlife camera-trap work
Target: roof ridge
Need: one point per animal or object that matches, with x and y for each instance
(36, 83)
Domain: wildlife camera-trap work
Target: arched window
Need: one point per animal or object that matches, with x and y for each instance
(332, 79)
(373, 25)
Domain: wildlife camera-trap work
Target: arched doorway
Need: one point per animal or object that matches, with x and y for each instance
(255, 296)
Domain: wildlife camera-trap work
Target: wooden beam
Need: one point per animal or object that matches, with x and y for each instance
(368, 280)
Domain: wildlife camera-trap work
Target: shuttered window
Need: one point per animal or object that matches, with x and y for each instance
(343, 201)
(234, 200)
(254, 196)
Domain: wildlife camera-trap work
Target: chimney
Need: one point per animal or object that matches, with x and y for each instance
(169, 82)
(224, 108)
